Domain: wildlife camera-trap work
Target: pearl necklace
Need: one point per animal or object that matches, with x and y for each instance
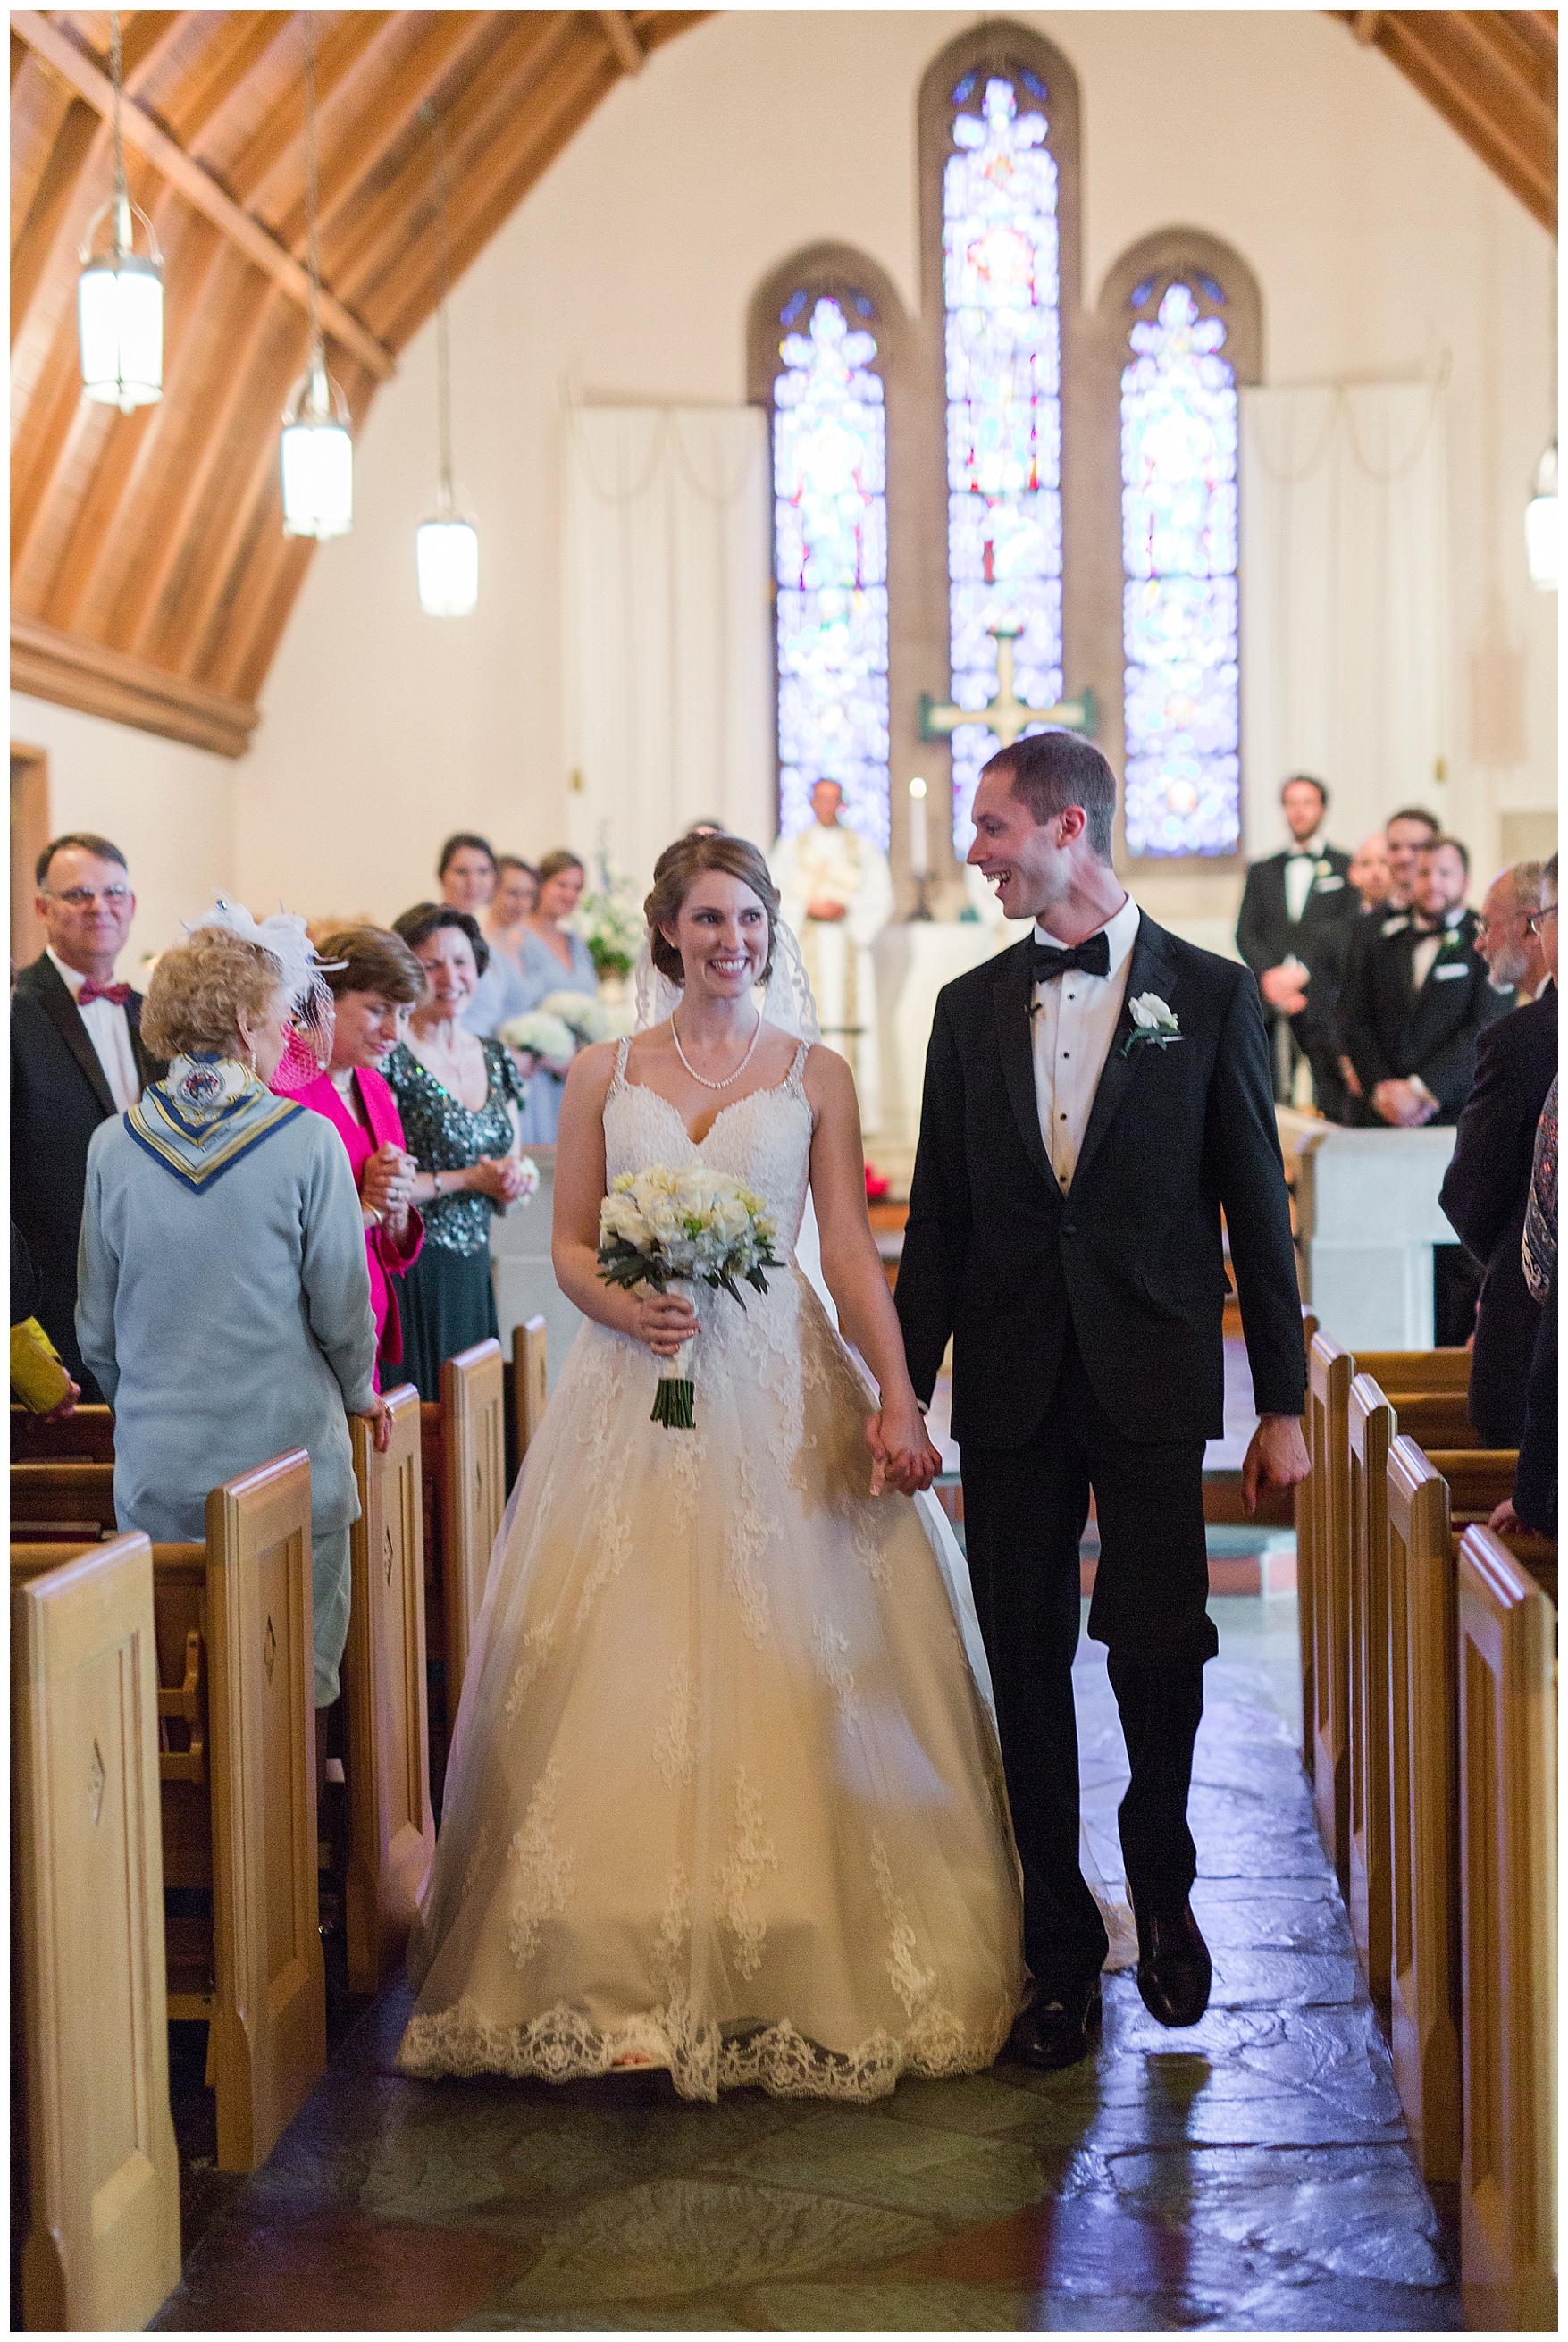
(728, 1078)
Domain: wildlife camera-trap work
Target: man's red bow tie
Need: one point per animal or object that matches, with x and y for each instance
(92, 990)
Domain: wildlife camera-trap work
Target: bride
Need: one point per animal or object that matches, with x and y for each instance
(723, 1795)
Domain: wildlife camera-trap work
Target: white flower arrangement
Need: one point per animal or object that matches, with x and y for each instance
(693, 1225)
(528, 1178)
(1154, 1021)
(541, 1034)
(610, 921)
(587, 1017)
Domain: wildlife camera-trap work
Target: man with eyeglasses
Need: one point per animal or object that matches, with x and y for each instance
(1505, 933)
(76, 1058)
(1486, 1189)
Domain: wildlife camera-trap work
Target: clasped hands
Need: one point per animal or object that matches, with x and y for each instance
(1285, 988)
(1402, 1105)
(499, 1176)
(386, 1183)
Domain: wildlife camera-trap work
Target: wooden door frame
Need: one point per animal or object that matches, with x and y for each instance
(30, 833)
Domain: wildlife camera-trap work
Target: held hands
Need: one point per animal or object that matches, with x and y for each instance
(825, 906)
(1276, 1458)
(664, 1320)
(386, 1185)
(902, 1457)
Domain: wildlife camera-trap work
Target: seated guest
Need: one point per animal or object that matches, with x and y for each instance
(374, 980)
(461, 1100)
(1486, 1189)
(553, 959)
(1369, 872)
(224, 1306)
(465, 871)
(504, 991)
(77, 1059)
(1505, 933)
(1404, 834)
(1424, 996)
(1295, 906)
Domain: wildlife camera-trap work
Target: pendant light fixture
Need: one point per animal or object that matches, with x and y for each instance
(1541, 549)
(120, 295)
(315, 449)
(445, 547)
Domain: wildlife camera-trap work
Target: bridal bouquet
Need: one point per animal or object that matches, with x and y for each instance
(658, 1224)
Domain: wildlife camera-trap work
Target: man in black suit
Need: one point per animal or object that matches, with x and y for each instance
(1297, 907)
(1425, 995)
(76, 1057)
(1404, 834)
(1487, 1187)
(1094, 1098)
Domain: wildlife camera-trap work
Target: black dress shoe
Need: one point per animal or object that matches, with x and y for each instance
(1175, 1971)
(1057, 2027)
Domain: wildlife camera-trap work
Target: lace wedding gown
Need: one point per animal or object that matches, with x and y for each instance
(723, 1795)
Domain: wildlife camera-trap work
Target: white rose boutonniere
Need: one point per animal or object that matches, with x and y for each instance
(1153, 1022)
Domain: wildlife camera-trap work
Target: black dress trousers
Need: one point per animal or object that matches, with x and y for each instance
(1024, 1511)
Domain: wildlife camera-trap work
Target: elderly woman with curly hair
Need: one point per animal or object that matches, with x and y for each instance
(223, 1295)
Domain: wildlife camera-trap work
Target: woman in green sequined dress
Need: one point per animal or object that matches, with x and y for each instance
(461, 1099)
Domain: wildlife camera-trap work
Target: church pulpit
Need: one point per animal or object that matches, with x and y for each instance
(90, 2056)
(391, 1826)
(1508, 1868)
(1329, 1371)
(1423, 1830)
(1372, 1432)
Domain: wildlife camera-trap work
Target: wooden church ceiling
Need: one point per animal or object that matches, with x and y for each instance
(150, 577)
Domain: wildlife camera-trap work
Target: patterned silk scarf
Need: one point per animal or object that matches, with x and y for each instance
(205, 1116)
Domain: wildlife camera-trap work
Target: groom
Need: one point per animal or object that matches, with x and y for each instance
(1094, 1098)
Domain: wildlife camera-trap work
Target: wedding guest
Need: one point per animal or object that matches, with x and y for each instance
(554, 959)
(1295, 905)
(374, 982)
(503, 991)
(1505, 933)
(1369, 872)
(224, 1305)
(78, 1059)
(1404, 834)
(1423, 1000)
(461, 1099)
(465, 871)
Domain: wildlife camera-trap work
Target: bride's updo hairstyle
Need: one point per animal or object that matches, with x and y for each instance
(676, 873)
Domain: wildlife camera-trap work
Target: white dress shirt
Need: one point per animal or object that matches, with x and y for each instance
(1424, 957)
(109, 1031)
(1076, 1017)
(1301, 869)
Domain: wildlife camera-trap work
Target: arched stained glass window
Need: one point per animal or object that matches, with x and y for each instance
(830, 554)
(1182, 685)
(1001, 293)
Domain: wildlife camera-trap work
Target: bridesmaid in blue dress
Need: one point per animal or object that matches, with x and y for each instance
(553, 959)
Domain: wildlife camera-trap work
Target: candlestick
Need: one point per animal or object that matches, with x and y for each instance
(919, 848)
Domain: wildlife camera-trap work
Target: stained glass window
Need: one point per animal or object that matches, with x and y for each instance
(1001, 275)
(1179, 598)
(829, 552)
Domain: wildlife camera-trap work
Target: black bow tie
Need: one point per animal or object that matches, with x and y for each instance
(1093, 956)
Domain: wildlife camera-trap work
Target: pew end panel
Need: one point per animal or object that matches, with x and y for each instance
(1304, 1579)
(392, 1829)
(87, 1436)
(1508, 1868)
(1372, 1432)
(473, 1496)
(1329, 1373)
(102, 2243)
(530, 1382)
(63, 1491)
(1423, 1820)
(268, 2040)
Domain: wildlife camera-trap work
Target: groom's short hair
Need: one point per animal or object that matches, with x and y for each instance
(1050, 771)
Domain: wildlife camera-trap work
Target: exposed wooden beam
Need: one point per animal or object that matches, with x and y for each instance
(621, 36)
(66, 668)
(1519, 145)
(200, 189)
(1363, 24)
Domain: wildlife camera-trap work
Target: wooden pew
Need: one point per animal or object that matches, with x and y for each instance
(1371, 1433)
(530, 1382)
(464, 1449)
(87, 1437)
(1430, 1372)
(233, 1620)
(101, 2247)
(1302, 1503)
(391, 1827)
(1330, 1370)
(1479, 1478)
(1508, 1868)
(1424, 1839)
(71, 1498)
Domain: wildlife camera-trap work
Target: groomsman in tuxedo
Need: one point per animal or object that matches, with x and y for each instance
(1297, 909)
(1404, 834)
(1425, 995)
(76, 1058)
(1094, 1098)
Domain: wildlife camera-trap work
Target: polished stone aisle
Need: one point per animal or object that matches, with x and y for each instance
(1248, 2174)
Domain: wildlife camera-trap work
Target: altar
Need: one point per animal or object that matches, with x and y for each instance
(913, 961)
(1368, 1218)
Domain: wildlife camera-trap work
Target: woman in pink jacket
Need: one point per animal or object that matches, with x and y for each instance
(374, 988)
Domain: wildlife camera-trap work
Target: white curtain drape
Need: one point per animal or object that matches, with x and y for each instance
(669, 660)
(1346, 620)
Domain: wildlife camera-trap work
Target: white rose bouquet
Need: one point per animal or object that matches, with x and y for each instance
(658, 1224)
(585, 1018)
(542, 1034)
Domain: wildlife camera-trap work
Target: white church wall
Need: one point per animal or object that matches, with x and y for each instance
(1381, 246)
(167, 807)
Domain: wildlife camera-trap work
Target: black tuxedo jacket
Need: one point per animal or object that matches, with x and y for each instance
(58, 1099)
(1265, 932)
(1484, 1194)
(1392, 1031)
(995, 1255)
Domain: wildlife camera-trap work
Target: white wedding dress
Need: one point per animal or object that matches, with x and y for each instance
(724, 1794)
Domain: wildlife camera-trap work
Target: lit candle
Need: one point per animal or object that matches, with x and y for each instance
(919, 852)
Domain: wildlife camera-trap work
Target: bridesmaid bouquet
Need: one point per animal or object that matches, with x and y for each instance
(658, 1224)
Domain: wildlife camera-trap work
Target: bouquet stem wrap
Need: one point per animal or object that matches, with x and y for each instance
(672, 1399)
(693, 1225)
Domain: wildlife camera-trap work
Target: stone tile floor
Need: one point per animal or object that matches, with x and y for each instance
(1249, 2175)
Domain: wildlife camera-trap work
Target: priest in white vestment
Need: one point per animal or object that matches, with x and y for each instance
(837, 892)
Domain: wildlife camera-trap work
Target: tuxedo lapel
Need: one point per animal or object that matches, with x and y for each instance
(1012, 998)
(1149, 970)
(53, 996)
